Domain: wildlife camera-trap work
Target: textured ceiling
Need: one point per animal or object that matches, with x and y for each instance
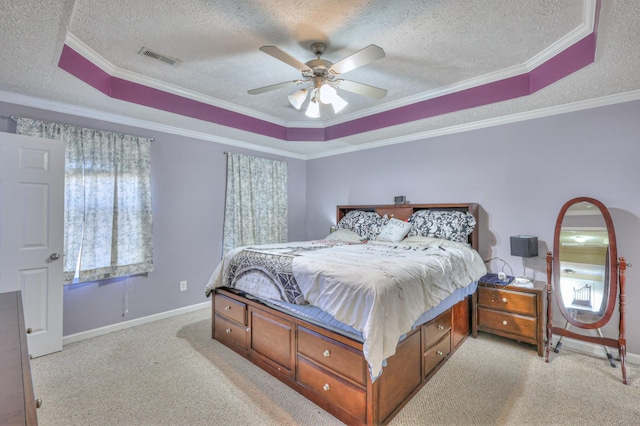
(433, 48)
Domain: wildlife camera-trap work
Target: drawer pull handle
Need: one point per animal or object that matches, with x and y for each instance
(439, 353)
(38, 403)
(327, 353)
(440, 327)
(504, 299)
(326, 387)
(227, 308)
(504, 322)
(228, 330)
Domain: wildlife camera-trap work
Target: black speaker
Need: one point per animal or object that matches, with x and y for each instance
(524, 246)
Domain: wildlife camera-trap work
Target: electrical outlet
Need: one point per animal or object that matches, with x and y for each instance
(183, 286)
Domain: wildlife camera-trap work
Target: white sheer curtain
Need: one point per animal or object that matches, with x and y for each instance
(256, 201)
(107, 217)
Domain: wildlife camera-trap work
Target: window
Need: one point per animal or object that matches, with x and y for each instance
(256, 201)
(107, 217)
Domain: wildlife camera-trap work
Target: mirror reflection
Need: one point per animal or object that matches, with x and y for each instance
(584, 249)
(588, 276)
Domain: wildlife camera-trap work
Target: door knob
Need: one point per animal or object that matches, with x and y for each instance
(54, 256)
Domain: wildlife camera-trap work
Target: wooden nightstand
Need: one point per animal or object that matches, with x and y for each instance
(510, 311)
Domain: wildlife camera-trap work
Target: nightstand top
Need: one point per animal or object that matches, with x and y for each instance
(538, 286)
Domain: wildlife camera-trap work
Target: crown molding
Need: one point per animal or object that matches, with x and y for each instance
(584, 29)
(95, 58)
(491, 122)
(481, 124)
(589, 13)
(84, 112)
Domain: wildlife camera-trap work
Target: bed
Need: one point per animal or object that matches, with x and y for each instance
(360, 320)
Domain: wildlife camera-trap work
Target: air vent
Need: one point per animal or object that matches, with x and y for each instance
(159, 56)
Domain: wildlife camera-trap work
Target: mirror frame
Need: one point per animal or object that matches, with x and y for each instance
(617, 284)
(611, 267)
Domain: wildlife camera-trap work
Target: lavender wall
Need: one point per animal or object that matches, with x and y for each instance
(521, 174)
(188, 180)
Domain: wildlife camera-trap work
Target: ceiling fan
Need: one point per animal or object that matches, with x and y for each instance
(322, 75)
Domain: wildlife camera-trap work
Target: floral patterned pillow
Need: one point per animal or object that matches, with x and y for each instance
(365, 224)
(445, 224)
(419, 226)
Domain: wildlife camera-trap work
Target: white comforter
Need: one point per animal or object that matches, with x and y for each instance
(380, 289)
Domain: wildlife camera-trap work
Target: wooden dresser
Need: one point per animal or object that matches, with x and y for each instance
(17, 401)
(512, 312)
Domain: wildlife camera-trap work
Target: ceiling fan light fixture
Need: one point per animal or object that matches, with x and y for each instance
(338, 104)
(322, 74)
(313, 109)
(297, 99)
(327, 93)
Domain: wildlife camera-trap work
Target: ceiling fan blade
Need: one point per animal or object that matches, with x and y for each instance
(285, 57)
(361, 57)
(361, 89)
(274, 87)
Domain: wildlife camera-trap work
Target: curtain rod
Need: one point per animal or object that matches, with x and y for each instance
(16, 118)
(227, 153)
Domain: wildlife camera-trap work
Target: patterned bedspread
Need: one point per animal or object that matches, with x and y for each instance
(380, 289)
(274, 264)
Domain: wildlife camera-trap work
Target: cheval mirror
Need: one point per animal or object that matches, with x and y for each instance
(588, 278)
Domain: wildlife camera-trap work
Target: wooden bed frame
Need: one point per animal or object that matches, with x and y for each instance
(329, 368)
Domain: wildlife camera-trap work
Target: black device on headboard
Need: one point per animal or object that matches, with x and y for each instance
(400, 199)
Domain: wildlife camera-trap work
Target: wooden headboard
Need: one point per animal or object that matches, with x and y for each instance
(404, 211)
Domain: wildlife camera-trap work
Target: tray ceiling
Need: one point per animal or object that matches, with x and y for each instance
(449, 65)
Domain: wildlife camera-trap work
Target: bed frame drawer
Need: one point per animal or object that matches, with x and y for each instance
(436, 328)
(272, 340)
(437, 353)
(332, 388)
(230, 331)
(332, 355)
(517, 325)
(293, 351)
(231, 309)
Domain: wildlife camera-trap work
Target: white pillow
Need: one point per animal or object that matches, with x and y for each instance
(395, 230)
(417, 239)
(421, 239)
(345, 235)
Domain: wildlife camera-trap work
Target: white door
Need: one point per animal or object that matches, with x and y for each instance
(31, 233)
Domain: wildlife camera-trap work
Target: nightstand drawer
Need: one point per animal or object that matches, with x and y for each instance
(516, 325)
(509, 301)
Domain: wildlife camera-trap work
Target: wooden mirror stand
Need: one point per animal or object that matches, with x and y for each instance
(586, 278)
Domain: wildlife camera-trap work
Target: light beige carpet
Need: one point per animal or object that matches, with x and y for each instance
(171, 372)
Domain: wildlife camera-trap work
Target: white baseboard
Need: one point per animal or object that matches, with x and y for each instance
(595, 350)
(578, 345)
(132, 323)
